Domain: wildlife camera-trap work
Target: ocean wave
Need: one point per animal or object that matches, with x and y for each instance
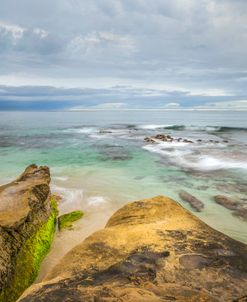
(155, 126)
(60, 178)
(187, 158)
(191, 127)
(96, 201)
(83, 130)
(72, 199)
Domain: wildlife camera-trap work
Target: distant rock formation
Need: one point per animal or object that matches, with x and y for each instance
(27, 224)
(150, 250)
(169, 139)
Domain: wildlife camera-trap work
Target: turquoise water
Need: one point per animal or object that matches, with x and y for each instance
(99, 161)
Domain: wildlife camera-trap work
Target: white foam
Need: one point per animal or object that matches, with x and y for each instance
(202, 128)
(96, 200)
(61, 178)
(208, 163)
(72, 199)
(154, 126)
(167, 150)
(84, 130)
(184, 155)
(111, 133)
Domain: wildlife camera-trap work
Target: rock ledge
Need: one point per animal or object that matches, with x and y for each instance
(27, 224)
(150, 250)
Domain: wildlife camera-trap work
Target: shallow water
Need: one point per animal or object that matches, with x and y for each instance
(99, 161)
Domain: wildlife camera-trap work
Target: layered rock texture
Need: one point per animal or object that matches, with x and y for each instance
(27, 224)
(150, 250)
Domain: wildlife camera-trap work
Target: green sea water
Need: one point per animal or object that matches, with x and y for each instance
(99, 161)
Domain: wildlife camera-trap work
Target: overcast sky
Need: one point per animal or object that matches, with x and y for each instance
(73, 54)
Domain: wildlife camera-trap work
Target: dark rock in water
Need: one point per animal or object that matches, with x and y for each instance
(187, 141)
(192, 200)
(27, 224)
(227, 202)
(169, 138)
(238, 207)
(149, 140)
(112, 153)
(150, 250)
(232, 187)
(241, 213)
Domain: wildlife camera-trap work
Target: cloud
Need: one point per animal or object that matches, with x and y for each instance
(172, 105)
(14, 30)
(116, 97)
(230, 105)
(103, 106)
(197, 47)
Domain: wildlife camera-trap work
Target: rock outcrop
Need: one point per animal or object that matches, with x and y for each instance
(27, 224)
(150, 250)
(194, 202)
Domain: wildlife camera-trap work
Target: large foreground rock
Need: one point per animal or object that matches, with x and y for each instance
(27, 224)
(150, 250)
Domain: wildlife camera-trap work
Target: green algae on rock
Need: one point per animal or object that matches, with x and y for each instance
(24, 242)
(66, 220)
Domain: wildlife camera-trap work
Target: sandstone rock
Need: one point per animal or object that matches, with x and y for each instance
(192, 200)
(150, 250)
(27, 224)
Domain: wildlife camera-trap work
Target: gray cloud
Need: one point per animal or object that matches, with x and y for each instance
(185, 45)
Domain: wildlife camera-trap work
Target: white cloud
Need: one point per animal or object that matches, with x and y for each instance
(229, 105)
(40, 32)
(172, 105)
(103, 106)
(15, 30)
(197, 48)
(100, 43)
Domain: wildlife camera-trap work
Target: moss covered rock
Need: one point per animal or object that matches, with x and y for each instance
(27, 227)
(66, 220)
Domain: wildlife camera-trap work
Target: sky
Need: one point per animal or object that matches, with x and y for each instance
(123, 54)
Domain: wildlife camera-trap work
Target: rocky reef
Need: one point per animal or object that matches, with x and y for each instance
(169, 139)
(150, 250)
(27, 224)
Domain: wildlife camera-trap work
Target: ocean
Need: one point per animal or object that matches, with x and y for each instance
(99, 161)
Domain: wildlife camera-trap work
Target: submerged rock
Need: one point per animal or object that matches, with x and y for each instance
(227, 202)
(150, 250)
(66, 221)
(238, 207)
(192, 200)
(232, 187)
(27, 224)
